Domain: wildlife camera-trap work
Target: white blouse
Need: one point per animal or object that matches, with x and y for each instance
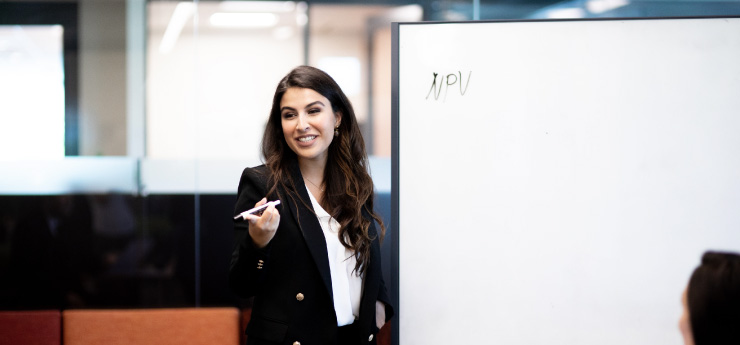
(345, 283)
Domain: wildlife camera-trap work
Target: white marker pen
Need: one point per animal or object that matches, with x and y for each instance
(257, 209)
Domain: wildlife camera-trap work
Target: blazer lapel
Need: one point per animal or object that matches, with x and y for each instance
(311, 229)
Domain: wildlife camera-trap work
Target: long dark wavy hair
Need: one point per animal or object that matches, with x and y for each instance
(348, 191)
(713, 299)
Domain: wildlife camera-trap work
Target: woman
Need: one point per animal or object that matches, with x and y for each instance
(313, 261)
(711, 302)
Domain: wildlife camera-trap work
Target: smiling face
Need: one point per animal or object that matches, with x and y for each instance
(308, 123)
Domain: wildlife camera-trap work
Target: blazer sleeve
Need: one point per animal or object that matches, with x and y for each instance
(385, 298)
(248, 263)
(383, 295)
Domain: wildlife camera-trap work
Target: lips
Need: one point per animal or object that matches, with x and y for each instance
(306, 141)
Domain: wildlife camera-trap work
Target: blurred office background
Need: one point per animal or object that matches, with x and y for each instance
(125, 124)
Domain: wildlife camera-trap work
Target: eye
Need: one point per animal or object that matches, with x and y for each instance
(314, 110)
(288, 115)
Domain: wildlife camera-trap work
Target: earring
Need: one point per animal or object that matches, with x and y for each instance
(336, 131)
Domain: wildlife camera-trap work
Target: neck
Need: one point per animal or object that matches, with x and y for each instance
(312, 170)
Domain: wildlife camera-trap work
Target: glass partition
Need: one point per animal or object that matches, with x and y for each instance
(125, 125)
(211, 70)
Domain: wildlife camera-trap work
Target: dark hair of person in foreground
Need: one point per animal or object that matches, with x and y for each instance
(713, 300)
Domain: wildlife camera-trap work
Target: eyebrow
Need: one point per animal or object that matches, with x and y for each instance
(307, 106)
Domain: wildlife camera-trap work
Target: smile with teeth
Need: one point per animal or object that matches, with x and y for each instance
(307, 139)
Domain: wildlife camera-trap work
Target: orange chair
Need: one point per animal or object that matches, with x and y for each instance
(183, 326)
(43, 327)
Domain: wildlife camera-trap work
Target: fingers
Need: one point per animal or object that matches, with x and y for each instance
(251, 218)
(261, 202)
(262, 227)
(269, 212)
(268, 220)
(271, 217)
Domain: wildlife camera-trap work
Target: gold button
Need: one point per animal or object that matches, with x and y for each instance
(296, 343)
(299, 297)
(370, 338)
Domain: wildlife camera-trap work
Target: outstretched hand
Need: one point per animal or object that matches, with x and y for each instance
(262, 228)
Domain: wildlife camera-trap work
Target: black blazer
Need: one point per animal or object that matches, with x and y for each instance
(290, 278)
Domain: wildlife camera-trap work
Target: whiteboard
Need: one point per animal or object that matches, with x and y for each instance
(556, 182)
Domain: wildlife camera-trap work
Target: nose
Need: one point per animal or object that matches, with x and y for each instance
(302, 124)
